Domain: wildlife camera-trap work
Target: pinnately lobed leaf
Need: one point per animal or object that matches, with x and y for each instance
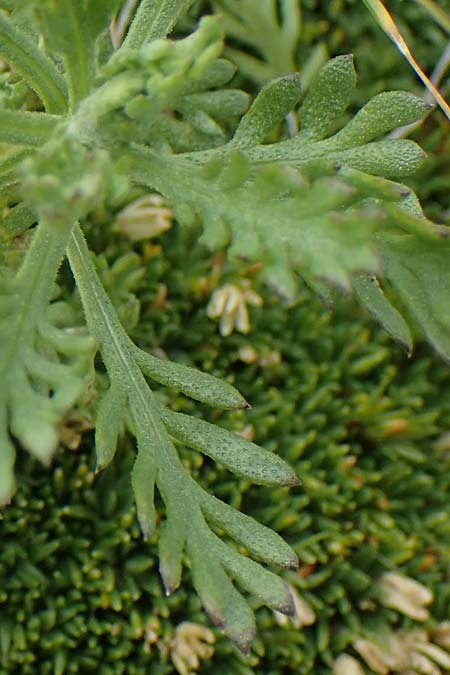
(262, 542)
(270, 107)
(328, 98)
(193, 383)
(236, 453)
(109, 421)
(420, 274)
(157, 114)
(371, 295)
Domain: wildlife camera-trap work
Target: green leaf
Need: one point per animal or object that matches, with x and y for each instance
(80, 180)
(384, 112)
(327, 212)
(315, 234)
(40, 73)
(270, 27)
(7, 457)
(39, 383)
(143, 478)
(258, 581)
(262, 542)
(26, 128)
(372, 297)
(419, 271)
(326, 100)
(170, 547)
(391, 159)
(154, 19)
(269, 108)
(108, 424)
(221, 104)
(328, 97)
(158, 463)
(233, 451)
(192, 382)
(143, 85)
(71, 28)
(224, 604)
(43, 368)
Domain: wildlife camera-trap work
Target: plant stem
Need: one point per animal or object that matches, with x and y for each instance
(37, 70)
(154, 19)
(79, 61)
(35, 286)
(26, 128)
(117, 351)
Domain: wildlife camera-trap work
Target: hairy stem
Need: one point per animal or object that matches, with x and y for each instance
(37, 70)
(117, 352)
(154, 19)
(79, 61)
(35, 279)
(26, 128)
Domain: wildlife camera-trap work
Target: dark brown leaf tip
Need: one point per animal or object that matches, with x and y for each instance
(293, 480)
(287, 607)
(294, 563)
(244, 641)
(443, 231)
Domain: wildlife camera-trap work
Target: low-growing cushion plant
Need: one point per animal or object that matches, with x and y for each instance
(365, 428)
(85, 122)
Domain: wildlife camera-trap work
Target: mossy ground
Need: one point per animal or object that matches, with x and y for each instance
(364, 427)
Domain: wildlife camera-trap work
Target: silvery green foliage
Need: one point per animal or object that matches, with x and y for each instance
(269, 28)
(160, 113)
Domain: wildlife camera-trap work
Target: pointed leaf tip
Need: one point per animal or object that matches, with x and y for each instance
(370, 294)
(146, 527)
(235, 452)
(328, 97)
(244, 644)
(195, 383)
(288, 607)
(277, 98)
(242, 636)
(6, 496)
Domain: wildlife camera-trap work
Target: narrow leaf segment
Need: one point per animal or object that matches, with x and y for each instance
(157, 464)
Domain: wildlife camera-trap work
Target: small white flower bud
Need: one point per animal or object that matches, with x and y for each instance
(229, 303)
(405, 595)
(191, 643)
(380, 661)
(347, 665)
(144, 218)
(441, 634)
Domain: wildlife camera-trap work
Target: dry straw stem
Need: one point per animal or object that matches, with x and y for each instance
(387, 23)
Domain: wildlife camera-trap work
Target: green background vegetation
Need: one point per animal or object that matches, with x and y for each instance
(365, 428)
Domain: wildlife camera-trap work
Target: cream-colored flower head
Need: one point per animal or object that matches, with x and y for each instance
(229, 303)
(144, 218)
(407, 652)
(425, 657)
(441, 634)
(379, 660)
(347, 665)
(405, 595)
(191, 643)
